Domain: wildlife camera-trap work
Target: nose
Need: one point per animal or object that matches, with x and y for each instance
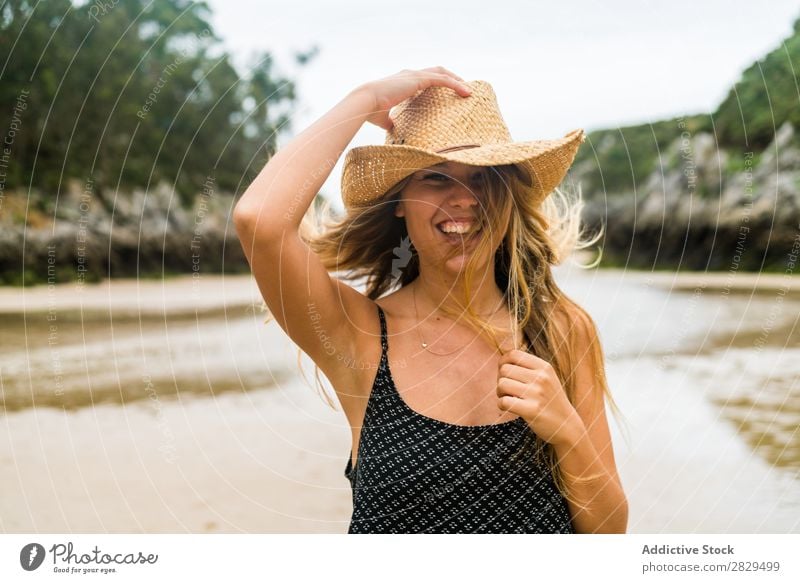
(461, 196)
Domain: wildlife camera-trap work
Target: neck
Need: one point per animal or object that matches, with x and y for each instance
(432, 294)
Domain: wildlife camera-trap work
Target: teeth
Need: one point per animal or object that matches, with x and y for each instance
(453, 227)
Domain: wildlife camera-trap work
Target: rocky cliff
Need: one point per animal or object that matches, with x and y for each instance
(86, 235)
(702, 206)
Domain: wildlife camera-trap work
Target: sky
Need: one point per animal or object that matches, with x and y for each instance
(555, 66)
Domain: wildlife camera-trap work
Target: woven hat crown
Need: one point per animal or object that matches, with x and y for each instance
(437, 125)
(437, 119)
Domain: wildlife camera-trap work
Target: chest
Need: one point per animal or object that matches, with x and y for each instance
(459, 388)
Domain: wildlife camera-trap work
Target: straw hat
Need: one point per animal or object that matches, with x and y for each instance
(438, 125)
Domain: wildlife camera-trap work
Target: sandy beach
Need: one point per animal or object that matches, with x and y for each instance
(187, 294)
(183, 294)
(187, 414)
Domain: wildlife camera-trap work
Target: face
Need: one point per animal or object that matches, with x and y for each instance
(443, 208)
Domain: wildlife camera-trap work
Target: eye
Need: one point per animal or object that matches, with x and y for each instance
(442, 177)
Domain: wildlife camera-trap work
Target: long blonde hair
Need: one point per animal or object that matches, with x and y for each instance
(363, 245)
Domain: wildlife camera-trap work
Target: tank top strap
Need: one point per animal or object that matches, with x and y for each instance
(384, 339)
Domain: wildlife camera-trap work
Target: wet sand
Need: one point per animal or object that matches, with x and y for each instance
(203, 425)
(183, 294)
(186, 294)
(726, 282)
(266, 461)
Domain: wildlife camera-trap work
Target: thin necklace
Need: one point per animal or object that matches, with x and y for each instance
(425, 344)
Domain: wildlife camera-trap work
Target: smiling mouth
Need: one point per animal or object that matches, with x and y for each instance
(461, 238)
(459, 226)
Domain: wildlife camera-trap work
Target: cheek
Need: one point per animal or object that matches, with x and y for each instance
(424, 236)
(419, 217)
(419, 230)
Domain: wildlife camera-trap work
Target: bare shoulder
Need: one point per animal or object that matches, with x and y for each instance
(353, 369)
(575, 325)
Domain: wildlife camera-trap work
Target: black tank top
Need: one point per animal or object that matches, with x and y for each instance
(416, 474)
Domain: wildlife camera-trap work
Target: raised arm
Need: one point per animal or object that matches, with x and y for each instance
(309, 304)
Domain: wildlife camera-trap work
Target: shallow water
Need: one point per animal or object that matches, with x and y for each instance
(740, 351)
(81, 358)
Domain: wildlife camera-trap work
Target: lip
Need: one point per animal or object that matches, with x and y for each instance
(457, 220)
(470, 220)
(457, 239)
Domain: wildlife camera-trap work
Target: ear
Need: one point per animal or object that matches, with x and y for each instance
(399, 209)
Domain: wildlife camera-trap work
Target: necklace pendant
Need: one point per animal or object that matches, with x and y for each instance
(424, 345)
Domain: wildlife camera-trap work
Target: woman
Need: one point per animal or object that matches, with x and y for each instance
(489, 414)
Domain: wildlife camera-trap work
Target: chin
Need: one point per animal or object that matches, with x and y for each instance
(458, 264)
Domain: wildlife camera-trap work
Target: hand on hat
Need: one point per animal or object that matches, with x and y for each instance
(528, 386)
(390, 91)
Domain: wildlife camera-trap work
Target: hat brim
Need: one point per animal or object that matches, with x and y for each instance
(370, 171)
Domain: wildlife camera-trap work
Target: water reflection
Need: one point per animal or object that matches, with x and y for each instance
(91, 357)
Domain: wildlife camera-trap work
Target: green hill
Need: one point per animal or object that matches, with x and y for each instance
(767, 95)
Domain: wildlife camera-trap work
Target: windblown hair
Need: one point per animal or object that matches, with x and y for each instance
(363, 245)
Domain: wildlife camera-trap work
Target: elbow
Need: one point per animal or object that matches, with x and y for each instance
(620, 524)
(243, 216)
(611, 520)
(617, 521)
(243, 222)
(255, 224)
(250, 225)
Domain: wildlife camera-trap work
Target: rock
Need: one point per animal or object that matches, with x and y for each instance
(690, 210)
(147, 232)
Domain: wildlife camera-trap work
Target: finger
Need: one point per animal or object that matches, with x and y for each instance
(384, 121)
(513, 357)
(511, 388)
(441, 69)
(522, 358)
(516, 372)
(459, 87)
(514, 405)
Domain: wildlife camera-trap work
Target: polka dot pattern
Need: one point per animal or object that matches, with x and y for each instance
(416, 474)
